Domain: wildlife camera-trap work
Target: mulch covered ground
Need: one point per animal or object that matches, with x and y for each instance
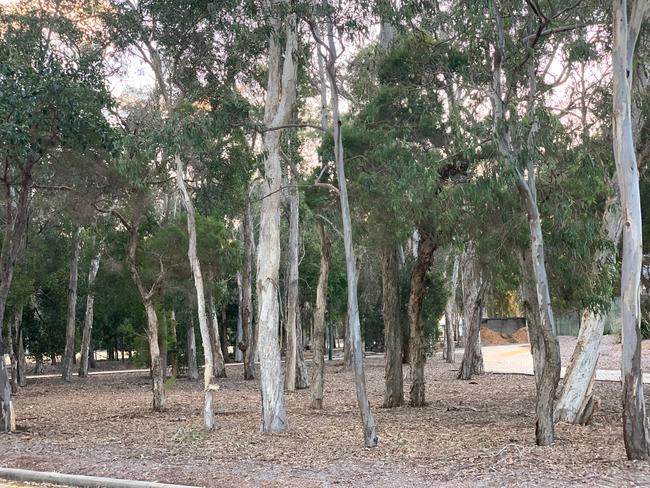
(472, 433)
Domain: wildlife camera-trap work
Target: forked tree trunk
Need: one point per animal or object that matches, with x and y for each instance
(526, 187)
(190, 344)
(71, 322)
(157, 373)
(450, 316)
(88, 319)
(247, 297)
(576, 403)
(393, 380)
(418, 346)
(319, 318)
(291, 359)
(157, 378)
(209, 383)
(626, 30)
(280, 97)
(473, 291)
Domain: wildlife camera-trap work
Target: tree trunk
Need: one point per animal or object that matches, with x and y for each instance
(88, 320)
(319, 318)
(71, 323)
(473, 291)
(354, 325)
(13, 243)
(12, 357)
(393, 387)
(173, 334)
(280, 97)
(162, 343)
(450, 316)
(417, 346)
(292, 292)
(302, 373)
(626, 31)
(209, 386)
(531, 309)
(215, 343)
(526, 187)
(152, 318)
(247, 297)
(192, 368)
(576, 402)
(19, 348)
(223, 336)
(239, 336)
(347, 346)
(157, 373)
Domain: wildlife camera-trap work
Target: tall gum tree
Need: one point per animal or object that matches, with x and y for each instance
(627, 20)
(526, 186)
(280, 97)
(331, 55)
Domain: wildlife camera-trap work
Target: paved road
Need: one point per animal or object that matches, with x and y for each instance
(517, 359)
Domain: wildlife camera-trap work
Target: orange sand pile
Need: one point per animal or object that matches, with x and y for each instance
(492, 338)
(521, 335)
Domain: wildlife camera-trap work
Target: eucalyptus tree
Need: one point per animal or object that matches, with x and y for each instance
(627, 22)
(43, 127)
(331, 55)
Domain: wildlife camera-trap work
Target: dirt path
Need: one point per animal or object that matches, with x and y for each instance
(472, 433)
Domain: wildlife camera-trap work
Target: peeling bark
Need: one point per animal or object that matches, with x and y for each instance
(626, 30)
(417, 345)
(393, 380)
(280, 97)
(473, 291)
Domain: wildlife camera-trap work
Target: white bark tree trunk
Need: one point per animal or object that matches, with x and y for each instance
(550, 376)
(280, 96)
(576, 403)
(88, 319)
(626, 28)
(71, 322)
(209, 384)
(354, 326)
